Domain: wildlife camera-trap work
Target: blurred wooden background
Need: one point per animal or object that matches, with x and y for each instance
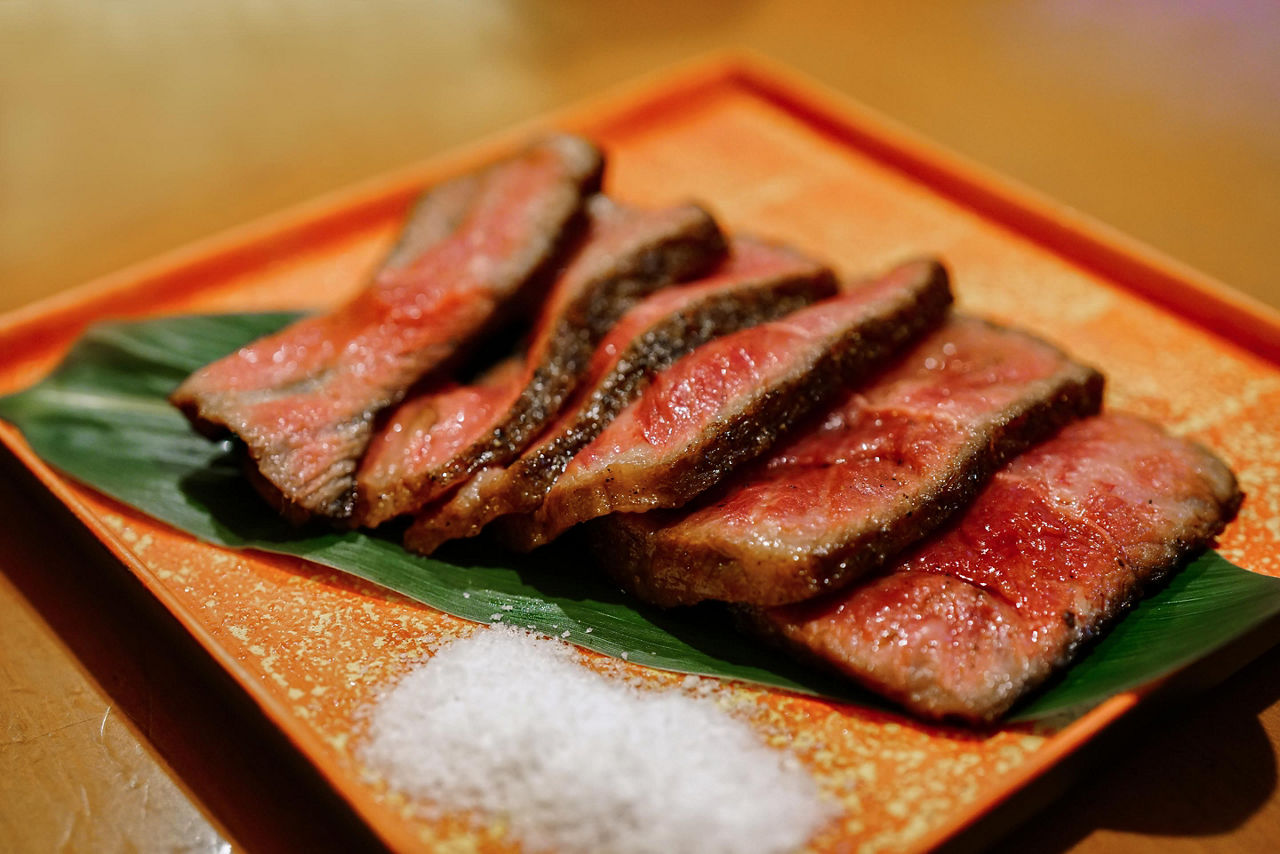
(130, 128)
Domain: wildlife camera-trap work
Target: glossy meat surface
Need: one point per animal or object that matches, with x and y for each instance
(729, 400)
(426, 447)
(303, 400)
(756, 283)
(874, 474)
(1061, 541)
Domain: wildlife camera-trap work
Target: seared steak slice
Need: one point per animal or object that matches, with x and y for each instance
(1060, 543)
(303, 400)
(880, 470)
(729, 400)
(756, 283)
(429, 443)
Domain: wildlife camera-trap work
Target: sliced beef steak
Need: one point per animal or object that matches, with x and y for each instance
(1061, 541)
(756, 283)
(426, 446)
(303, 400)
(877, 472)
(728, 401)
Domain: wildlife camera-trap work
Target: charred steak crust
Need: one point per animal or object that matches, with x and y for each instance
(626, 254)
(725, 547)
(1062, 541)
(303, 400)
(831, 345)
(758, 283)
(694, 245)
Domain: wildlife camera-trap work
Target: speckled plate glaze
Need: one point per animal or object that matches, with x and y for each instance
(775, 156)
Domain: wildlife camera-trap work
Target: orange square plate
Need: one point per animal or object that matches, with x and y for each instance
(772, 155)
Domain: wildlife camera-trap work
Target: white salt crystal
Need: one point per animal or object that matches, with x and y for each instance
(509, 725)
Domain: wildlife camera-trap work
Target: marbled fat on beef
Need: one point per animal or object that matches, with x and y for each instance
(1062, 541)
(434, 440)
(878, 471)
(729, 400)
(303, 400)
(756, 283)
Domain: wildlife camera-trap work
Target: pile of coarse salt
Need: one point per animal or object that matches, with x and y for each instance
(509, 725)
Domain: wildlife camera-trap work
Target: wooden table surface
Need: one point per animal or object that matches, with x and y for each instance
(129, 129)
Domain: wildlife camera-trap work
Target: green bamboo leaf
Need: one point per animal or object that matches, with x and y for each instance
(1205, 606)
(102, 418)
